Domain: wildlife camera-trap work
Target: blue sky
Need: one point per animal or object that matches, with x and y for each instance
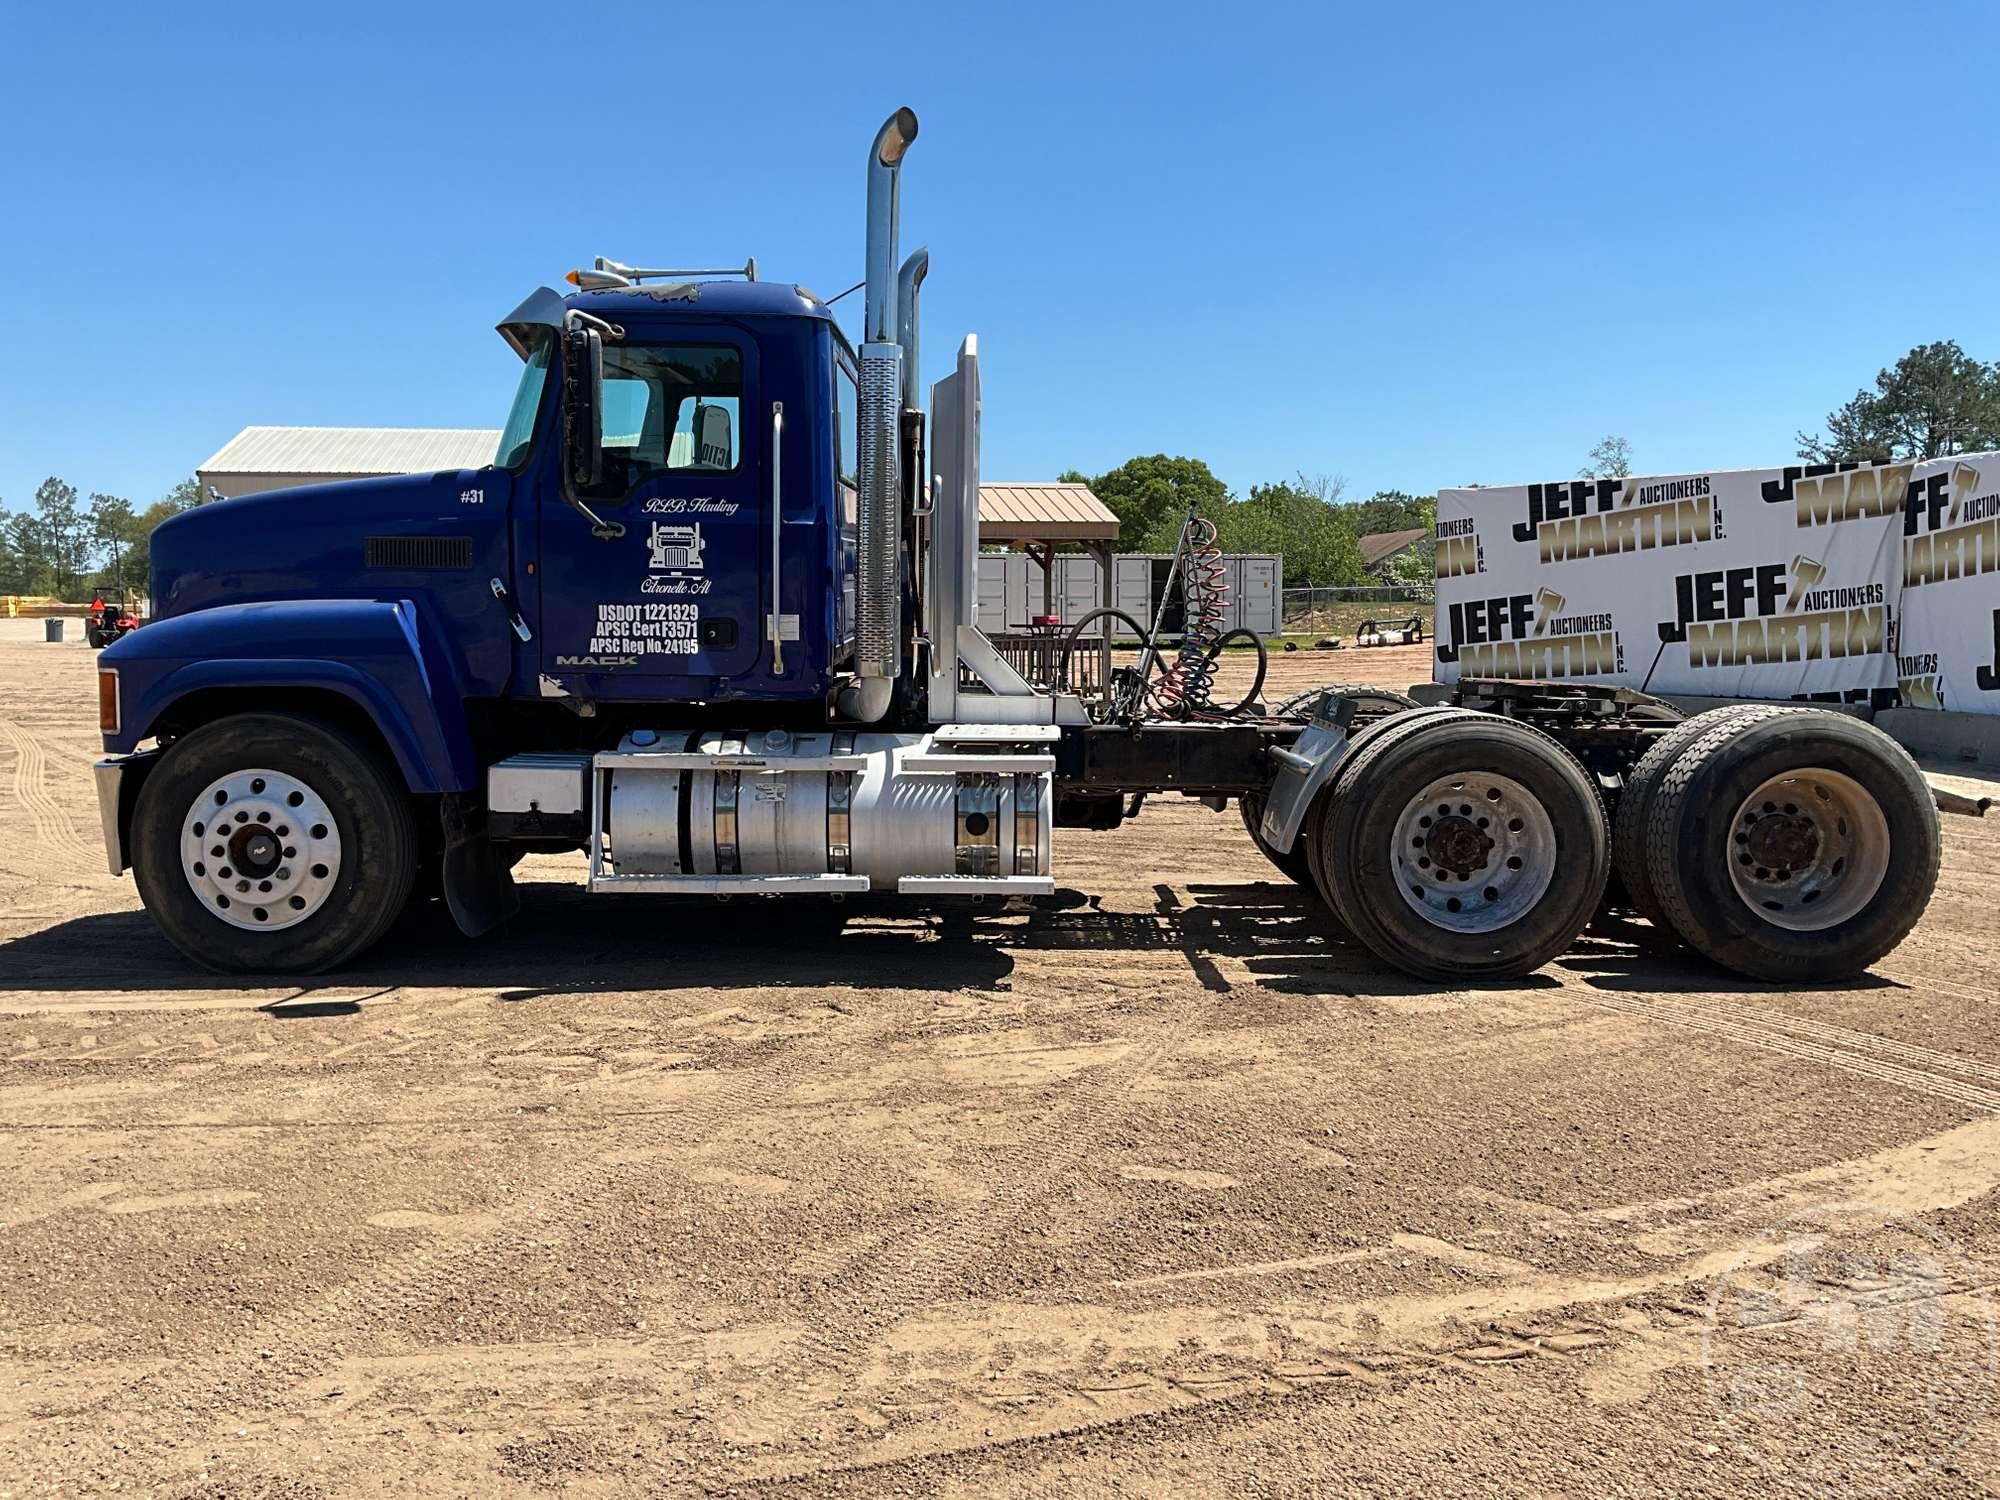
(1415, 246)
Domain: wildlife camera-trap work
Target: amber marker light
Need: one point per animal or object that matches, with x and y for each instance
(107, 699)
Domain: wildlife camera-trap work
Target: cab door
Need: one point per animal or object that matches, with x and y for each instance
(663, 600)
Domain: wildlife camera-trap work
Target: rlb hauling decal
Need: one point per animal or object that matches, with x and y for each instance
(1527, 635)
(1582, 518)
(1771, 612)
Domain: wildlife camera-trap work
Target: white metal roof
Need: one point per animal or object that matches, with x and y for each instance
(353, 450)
(1043, 513)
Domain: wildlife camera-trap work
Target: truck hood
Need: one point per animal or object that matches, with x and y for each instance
(358, 538)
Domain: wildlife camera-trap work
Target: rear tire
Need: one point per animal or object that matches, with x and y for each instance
(1628, 838)
(1371, 703)
(319, 847)
(1463, 846)
(1792, 844)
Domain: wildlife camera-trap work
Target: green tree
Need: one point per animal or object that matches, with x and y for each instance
(1150, 497)
(65, 533)
(1293, 520)
(1392, 510)
(10, 560)
(114, 527)
(1933, 401)
(27, 556)
(1610, 459)
(1414, 570)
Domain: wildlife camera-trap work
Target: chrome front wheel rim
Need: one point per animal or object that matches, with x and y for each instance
(260, 849)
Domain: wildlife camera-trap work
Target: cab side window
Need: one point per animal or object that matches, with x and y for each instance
(668, 409)
(846, 421)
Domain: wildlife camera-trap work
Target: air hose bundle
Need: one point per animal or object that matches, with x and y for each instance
(1184, 690)
(1187, 686)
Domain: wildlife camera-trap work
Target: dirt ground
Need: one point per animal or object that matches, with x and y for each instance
(1152, 1189)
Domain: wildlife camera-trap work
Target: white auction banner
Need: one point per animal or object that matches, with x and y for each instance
(1749, 583)
(1948, 611)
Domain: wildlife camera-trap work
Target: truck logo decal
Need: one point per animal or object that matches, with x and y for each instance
(674, 547)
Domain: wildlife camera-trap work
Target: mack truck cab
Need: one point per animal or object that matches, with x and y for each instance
(709, 616)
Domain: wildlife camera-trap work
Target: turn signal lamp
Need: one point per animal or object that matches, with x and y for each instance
(107, 700)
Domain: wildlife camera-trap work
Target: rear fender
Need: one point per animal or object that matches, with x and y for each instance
(371, 652)
(1305, 766)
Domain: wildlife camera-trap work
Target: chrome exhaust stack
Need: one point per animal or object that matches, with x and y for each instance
(909, 281)
(885, 221)
(878, 656)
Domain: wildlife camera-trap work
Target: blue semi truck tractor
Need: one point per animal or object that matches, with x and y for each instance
(709, 616)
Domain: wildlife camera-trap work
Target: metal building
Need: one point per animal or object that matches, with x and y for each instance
(279, 458)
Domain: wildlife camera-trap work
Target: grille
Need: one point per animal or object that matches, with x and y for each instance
(419, 553)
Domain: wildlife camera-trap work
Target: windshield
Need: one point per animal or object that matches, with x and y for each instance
(519, 435)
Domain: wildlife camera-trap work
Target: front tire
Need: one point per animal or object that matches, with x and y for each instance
(268, 843)
(1463, 846)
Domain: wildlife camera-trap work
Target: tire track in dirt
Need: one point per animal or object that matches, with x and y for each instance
(893, 1285)
(1923, 1070)
(1089, 1368)
(51, 821)
(1159, 1402)
(135, 1425)
(1988, 996)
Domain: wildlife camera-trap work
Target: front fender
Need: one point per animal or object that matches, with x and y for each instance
(369, 651)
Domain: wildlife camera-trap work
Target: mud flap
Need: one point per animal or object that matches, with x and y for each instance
(478, 886)
(1303, 769)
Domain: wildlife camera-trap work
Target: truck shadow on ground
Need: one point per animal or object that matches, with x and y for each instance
(1270, 935)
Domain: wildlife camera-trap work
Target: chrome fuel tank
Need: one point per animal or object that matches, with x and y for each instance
(780, 811)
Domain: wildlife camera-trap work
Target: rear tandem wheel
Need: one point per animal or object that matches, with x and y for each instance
(1371, 704)
(1790, 843)
(1462, 846)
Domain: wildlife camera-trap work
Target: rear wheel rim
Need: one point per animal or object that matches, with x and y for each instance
(1473, 852)
(1808, 849)
(260, 849)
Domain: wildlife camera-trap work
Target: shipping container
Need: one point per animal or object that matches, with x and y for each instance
(1256, 591)
(1010, 590)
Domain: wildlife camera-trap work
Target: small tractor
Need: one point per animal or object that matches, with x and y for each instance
(710, 617)
(108, 622)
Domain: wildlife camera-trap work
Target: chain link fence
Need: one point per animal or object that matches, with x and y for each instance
(1339, 612)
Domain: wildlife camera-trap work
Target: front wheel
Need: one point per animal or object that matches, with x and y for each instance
(267, 843)
(1463, 846)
